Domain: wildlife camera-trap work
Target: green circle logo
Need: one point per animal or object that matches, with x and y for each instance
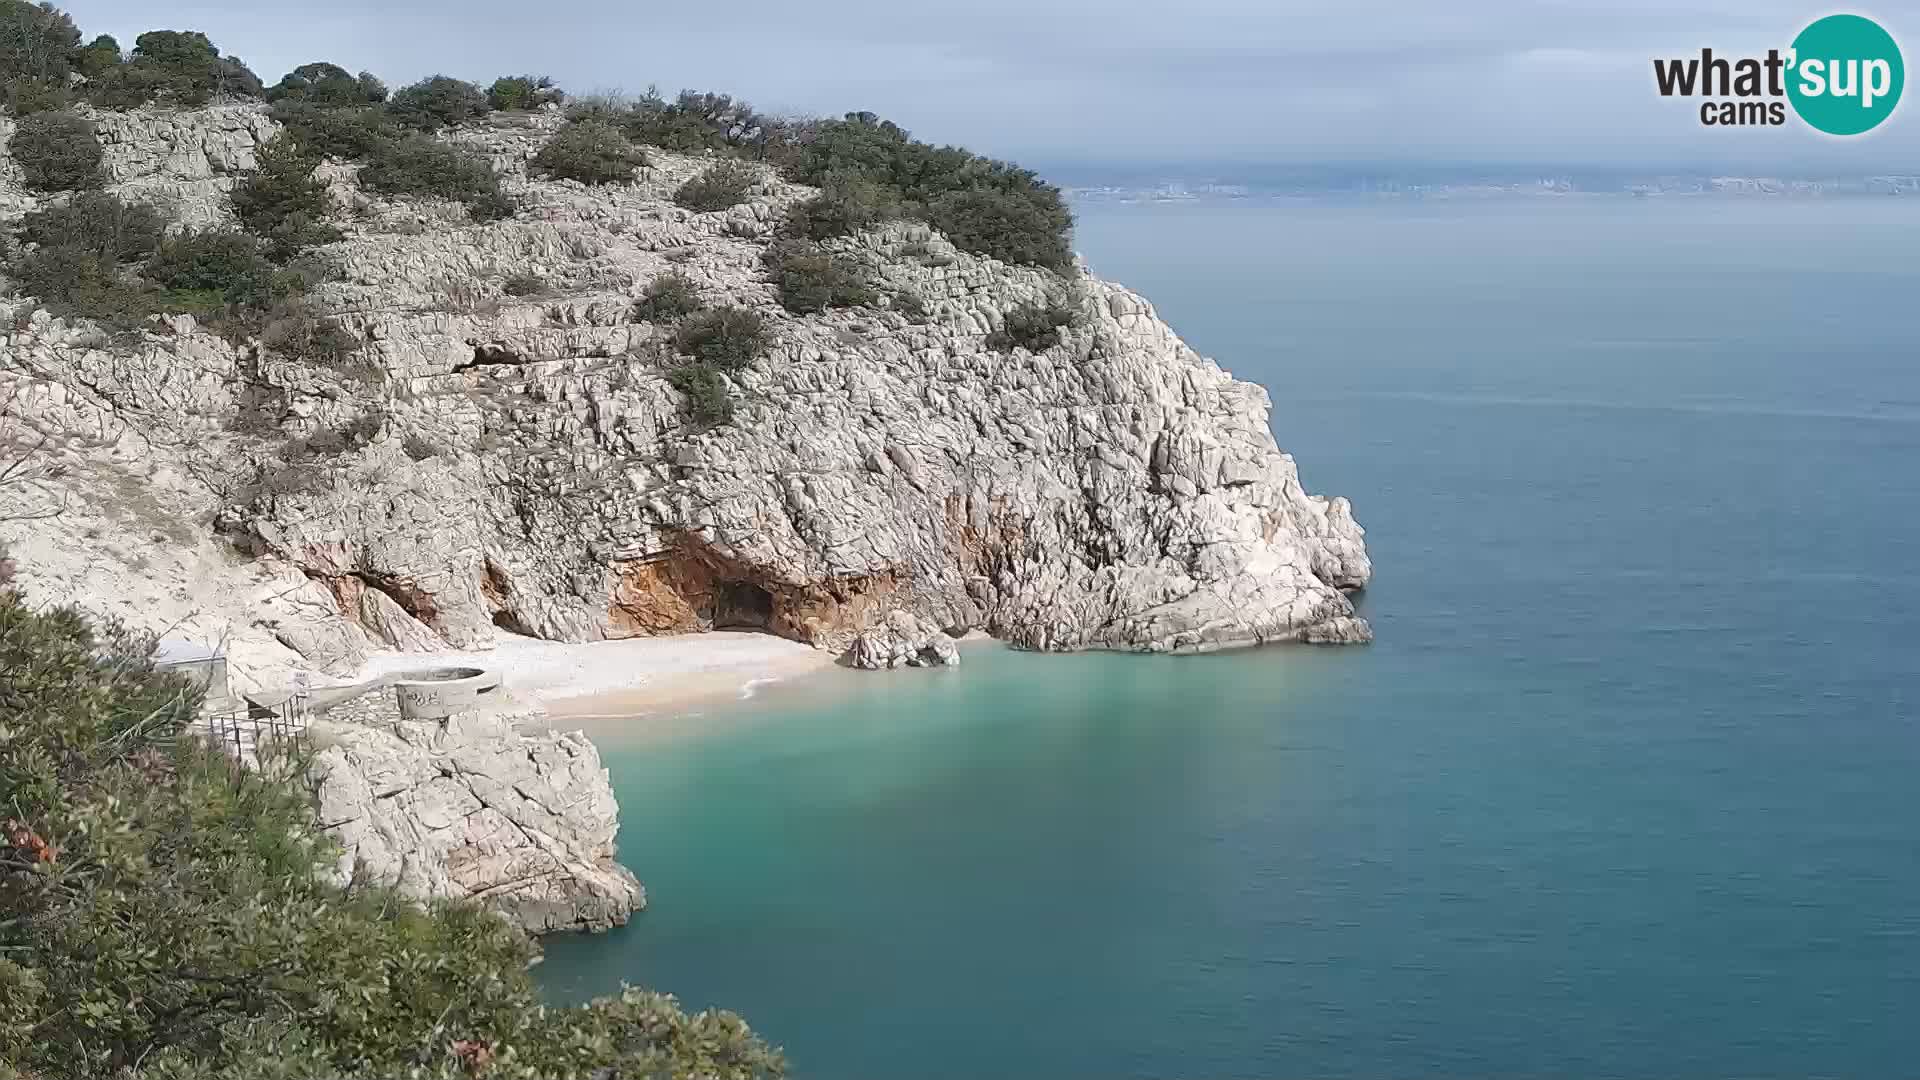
(1846, 75)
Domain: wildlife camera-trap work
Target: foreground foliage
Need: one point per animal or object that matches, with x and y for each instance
(161, 916)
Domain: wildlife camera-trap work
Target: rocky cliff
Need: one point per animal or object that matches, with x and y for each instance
(473, 808)
(529, 467)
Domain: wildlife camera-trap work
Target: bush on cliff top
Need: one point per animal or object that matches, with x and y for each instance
(985, 206)
(438, 102)
(328, 84)
(164, 917)
(172, 67)
(37, 42)
(521, 92)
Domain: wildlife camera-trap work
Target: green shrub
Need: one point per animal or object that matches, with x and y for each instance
(280, 201)
(728, 338)
(692, 122)
(723, 185)
(438, 102)
(590, 151)
(97, 223)
(98, 56)
(24, 97)
(346, 133)
(810, 279)
(1034, 327)
(328, 84)
(207, 270)
(705, 389)
(36, 42)
(1013, 225)
(174, 67)
(419, 166)
(668, 298)
(169, 916)
(985, 206)
(845, 205)
(74, 281)
(521, 92)
(57, 151)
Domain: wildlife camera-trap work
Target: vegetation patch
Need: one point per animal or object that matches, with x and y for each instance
(591, 151)
(437, 102)
(98, 224)
(349, 133)
(418, 166)
(810, 279)
(705, 390)
(1035, 327)
(172, 67)
(720, 187)
(668, 298)
(521, 92)
(282, 203)
(990, 207)
(729, 338)
(57, 151)
(328, 85)
(845, 205)
(171, 916)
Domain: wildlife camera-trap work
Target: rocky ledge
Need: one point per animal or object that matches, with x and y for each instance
(522, 462)
(491, 808)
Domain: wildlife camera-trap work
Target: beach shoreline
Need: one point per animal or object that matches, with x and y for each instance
(630, 678)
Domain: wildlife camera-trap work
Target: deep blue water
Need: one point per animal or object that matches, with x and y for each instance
(1626, 787)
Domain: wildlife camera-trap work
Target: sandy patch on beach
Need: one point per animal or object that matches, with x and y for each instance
(629, 677)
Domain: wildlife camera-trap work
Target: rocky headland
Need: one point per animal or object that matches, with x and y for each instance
(503, 442)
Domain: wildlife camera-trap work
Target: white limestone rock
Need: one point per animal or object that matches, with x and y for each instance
(473, 809)
(902, 640)
(533, 469)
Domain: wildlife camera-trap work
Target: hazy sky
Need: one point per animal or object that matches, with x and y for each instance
(1070, 81)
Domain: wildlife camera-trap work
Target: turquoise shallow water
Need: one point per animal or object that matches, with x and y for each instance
(1625, 788)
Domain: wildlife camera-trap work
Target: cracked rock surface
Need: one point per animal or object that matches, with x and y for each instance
(492, 809)
(532, 470)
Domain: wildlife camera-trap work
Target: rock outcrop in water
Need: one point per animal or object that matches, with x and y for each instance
(529, 466)
(472, 808)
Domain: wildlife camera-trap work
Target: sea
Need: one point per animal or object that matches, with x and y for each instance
(1628, 786)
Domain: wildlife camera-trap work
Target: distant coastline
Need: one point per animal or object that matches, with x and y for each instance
(1234, 187)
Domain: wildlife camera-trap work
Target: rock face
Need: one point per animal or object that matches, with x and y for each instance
(531, 468)
(472, 809)
(902, 640)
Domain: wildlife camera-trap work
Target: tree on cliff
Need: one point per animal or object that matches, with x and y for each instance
(162, 917)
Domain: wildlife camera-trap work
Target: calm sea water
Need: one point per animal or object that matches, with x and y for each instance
(1628, 785)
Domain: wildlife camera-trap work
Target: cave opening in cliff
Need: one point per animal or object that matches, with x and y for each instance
(741, 605)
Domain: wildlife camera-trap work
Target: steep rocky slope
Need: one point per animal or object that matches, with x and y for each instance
(531, 469)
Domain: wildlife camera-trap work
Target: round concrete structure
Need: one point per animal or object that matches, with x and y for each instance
(437, 693)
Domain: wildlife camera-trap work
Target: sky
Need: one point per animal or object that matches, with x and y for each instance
(1087, 83)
